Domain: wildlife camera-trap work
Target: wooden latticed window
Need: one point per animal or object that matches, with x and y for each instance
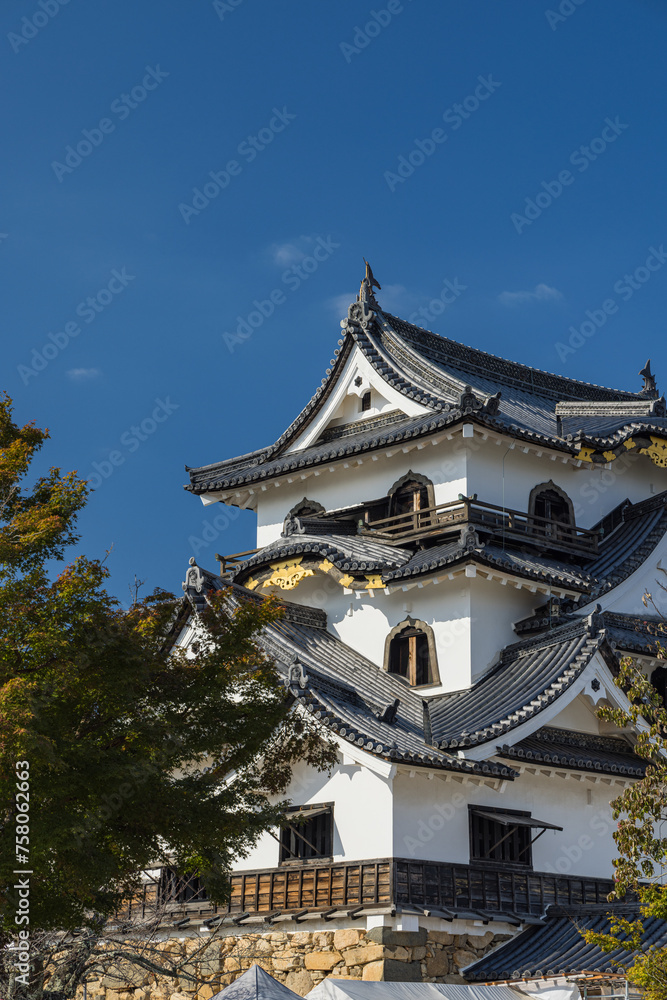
(410, 653)
(307, 833)
(504, 836)
(366, 401)
(175, 888)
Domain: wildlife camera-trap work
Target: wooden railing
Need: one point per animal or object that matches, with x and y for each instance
(454, 887)
(443, 889)
(505, 524)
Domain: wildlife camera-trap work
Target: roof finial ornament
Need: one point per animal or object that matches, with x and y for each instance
(649, 387)
(368, 283)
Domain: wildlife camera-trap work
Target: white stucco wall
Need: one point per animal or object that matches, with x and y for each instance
(362, 813)
(594, 490)
(431, 819)
(471, 620)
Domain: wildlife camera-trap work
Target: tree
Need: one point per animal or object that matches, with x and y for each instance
(134, 755)
(641, 866)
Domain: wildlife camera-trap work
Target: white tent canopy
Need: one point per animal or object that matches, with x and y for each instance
(256, 984)
(350, 989)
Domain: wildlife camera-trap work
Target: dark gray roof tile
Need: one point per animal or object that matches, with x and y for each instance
(557, 948)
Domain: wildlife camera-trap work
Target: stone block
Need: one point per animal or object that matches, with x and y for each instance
(300, 938)
(362, 956)
(452, 978)
(288, 964)
(232, 964)
(441, 937)
(406, 939)
(402, 954)
(323, 939)
(438, 964)
(323, 961)
(462, 957)
(373, 972)
(480, 941)
(402, 972)
(345, 939)
(206, 992)
(300, 982)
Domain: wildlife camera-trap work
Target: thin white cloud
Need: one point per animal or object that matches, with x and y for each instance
(82, 374)
(541, 293)
(290, 252)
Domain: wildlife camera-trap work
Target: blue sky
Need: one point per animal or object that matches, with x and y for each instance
(515, 150)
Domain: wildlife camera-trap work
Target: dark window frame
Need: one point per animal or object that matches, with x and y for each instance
(502, 835)
(310, 841)
(366, 401)
(390, 654)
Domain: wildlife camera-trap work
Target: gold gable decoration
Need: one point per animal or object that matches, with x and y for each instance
(287, 574)
(656, 451)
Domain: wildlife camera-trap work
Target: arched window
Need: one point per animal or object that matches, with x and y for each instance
(410, 653)
(551, 507)
(410, 494)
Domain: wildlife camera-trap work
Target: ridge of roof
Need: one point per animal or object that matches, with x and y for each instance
(523, 376)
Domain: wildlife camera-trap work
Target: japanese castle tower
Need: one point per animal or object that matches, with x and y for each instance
(462, 545)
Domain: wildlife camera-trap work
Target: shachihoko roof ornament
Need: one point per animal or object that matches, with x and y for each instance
(649, 388)
(368, 283)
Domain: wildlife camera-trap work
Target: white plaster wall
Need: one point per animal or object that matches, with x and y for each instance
(431, 820)
(471, 620)
(579, 717)
(444, 464)
(362, 813)
(494, 609)
(594, 490)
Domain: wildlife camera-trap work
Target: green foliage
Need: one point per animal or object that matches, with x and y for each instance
(138, 754)
(642, 848)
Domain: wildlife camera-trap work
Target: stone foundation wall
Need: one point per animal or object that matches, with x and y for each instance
(302, 959)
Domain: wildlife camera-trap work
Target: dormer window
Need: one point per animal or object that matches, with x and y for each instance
(551, 507)
(410, 494)
(410, 653)
(366, 401)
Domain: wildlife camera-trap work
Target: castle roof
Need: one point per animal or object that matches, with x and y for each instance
(453, 383)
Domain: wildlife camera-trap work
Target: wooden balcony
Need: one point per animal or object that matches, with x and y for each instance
(439, 522)
(349, 889)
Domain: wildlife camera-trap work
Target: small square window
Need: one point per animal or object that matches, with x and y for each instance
(307, 833)
(506, 842)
